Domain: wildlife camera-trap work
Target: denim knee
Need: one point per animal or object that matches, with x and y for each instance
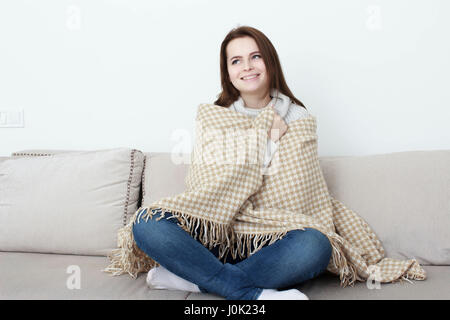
(150, 231)
(139, 230)
(322, 246)
(315, 244)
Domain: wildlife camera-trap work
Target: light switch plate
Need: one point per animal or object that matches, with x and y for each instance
(11, 118)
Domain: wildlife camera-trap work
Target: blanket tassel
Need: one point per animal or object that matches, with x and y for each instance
(340, 265)
(128, 258)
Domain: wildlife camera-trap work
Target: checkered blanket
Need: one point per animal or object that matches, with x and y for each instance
(232, 201)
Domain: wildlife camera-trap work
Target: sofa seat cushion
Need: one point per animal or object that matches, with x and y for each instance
(435, 287)
(326, 287)
(44, 276)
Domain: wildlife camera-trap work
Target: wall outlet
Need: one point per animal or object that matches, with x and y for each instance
(11, 118)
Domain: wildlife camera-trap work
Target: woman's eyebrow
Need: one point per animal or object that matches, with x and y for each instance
(241, 56)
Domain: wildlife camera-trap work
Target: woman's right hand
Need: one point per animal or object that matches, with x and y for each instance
(279, 127)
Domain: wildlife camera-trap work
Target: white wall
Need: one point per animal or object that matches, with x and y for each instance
(131, 73)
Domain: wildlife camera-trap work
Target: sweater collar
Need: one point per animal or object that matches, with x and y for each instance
(281, 103)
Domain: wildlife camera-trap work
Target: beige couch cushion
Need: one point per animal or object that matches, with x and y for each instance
(53, 276)
(71, 202)
(163, 176)
(66, 276)
(403, 196)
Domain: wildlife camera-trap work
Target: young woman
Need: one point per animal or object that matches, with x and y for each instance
(251, 79)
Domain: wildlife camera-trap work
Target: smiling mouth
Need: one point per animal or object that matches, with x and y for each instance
(252, 78)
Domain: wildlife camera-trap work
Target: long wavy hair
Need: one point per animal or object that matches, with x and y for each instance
(229, 93)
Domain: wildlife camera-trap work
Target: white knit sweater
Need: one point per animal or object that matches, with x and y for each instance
(287, 110)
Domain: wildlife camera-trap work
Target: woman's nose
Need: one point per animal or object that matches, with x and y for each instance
(247, 65)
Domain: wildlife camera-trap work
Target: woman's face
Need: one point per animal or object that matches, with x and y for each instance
(244, 59)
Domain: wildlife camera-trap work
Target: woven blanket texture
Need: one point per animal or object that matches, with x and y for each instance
(232, 201)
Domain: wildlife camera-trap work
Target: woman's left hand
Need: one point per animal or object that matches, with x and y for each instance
(279, 127)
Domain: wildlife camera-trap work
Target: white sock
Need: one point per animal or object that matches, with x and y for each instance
(161, 278)
(291, 294)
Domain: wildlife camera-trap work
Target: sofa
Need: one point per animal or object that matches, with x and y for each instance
(60, 211)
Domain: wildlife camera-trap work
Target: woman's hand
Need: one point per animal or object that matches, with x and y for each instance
(279, 127)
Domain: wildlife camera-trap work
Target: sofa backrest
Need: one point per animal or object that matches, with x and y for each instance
(403, 196)
(68, 202)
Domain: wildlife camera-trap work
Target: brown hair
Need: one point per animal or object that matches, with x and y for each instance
(229, 93)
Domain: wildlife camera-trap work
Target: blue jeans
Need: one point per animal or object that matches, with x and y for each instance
(300, 255)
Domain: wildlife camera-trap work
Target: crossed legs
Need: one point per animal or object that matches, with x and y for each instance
(299, 256)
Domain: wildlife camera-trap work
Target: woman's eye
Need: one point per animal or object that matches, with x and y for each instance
(256, 55)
